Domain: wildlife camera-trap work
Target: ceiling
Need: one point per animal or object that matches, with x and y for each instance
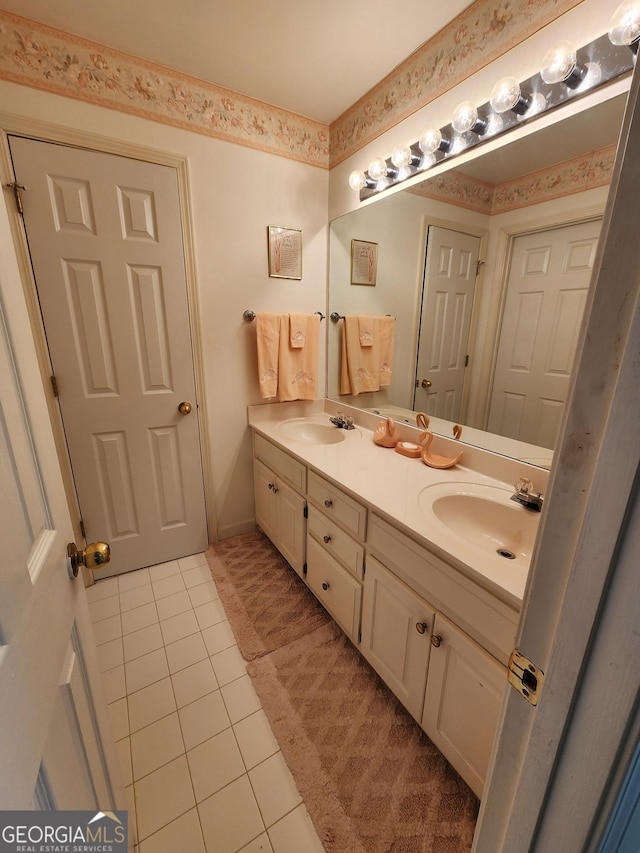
(314, 57)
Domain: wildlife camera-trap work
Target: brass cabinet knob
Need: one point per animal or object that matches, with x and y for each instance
(435, 641)
(426, 383)
(325, 586)
(326, 539)
(184, 408)
(421, 627)
(328, 504)
(94, 556)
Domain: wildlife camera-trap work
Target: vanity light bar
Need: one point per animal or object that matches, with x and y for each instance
(599, 62)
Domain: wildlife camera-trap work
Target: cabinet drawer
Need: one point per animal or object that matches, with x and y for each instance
(335, 588)
(280, 462)
(336, 542)
(489, 621)
(346, 512)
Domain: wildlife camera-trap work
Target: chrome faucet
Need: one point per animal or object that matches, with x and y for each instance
(342, 421)
(526, 496)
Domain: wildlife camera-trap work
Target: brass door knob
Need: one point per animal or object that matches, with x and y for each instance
(426, 383)
(184, 408)
(94, 556)
(421, 627)
(435, 641)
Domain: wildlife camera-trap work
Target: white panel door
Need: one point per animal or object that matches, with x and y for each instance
(56, 747)
(546, 292)
(105, 239)
(447, 302)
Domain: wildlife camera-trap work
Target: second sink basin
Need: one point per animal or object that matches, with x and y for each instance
(313, 431)
(485, 517)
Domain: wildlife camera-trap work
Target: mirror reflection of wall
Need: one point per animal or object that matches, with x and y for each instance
(531, 212)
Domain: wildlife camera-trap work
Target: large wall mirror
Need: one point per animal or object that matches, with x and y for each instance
(486, 269)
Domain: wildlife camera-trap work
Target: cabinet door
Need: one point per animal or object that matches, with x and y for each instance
(396, 628)
(462, 703)
(334, 587)
(266, 509)
(291, 525)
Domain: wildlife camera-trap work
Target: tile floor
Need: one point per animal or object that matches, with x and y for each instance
(203, 770)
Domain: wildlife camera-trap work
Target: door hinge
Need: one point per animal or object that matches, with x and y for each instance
(466, 360)
(54, 385)
(83, 529)
(306, 512)
(479, 264)
(16, 187)
(304, 570)
(359, 636)
(525, 677)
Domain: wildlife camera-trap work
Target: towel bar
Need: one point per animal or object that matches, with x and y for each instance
(250, 315)
(334, 316)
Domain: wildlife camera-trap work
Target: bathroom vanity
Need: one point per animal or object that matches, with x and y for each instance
(406, 560)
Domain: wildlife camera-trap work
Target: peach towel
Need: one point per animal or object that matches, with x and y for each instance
(298, 330)
(359, 366)
(367, 330)
(386, 335)
(267, 340)
(298, 365)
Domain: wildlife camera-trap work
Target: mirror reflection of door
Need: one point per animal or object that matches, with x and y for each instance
(547, 287)
(447, 300)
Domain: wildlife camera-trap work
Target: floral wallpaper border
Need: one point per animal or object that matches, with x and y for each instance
(586, 172)
(476, 37)
(43, 57)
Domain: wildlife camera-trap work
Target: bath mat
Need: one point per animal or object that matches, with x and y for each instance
(266, 602)
(371, 780)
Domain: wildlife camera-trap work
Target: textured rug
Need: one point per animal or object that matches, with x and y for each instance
(268, 605)
(371, 779)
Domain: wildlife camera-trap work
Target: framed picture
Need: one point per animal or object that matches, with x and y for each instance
(364, 262)
(285, 252)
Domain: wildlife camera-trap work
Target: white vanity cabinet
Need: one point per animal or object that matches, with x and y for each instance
(452, 677)
(462, 702)
(335, 551)
(280, 508)
(396, 629)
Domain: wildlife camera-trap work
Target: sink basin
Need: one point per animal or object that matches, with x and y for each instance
(312, 431)
(485, 517)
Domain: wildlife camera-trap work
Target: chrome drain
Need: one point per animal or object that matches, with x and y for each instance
(506, 553)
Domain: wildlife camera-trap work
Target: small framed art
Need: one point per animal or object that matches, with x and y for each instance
(364, 262)
(285, 252)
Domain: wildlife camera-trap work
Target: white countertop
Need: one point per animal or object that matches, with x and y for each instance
(390, 485)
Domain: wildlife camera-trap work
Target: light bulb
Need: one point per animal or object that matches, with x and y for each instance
(432, 140)
(357, 179)
(560, 65)
(377, 169)
(624, 26)
(402, 157)
(506, 95)
(465, 118)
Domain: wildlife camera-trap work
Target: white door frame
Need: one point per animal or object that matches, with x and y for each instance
(553, 763)
(48, 132)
